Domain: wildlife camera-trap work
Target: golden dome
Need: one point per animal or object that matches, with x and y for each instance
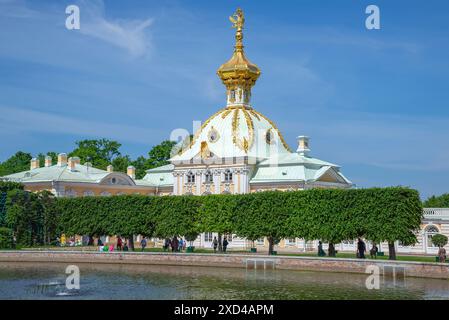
(238, 71)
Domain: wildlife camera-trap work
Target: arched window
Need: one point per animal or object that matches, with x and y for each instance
(208, 177)
(228, 176)
(430, 231)
(190, 177)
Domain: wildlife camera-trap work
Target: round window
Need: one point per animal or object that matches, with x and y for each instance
(213, 135)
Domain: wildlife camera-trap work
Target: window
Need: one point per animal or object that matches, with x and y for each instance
(209, 178)
(430, 231)
(89, 193)
(228, 176)
(190, 177)
(208, 237)
(114, 180)
(232, 96)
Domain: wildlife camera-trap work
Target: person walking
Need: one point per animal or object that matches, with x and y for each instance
(174, 244)
(321, 252)
(125, 247)
(361, 248)
(143, 244)
(119, 244)
(373, 251)
(215, 244)
(225, 244)
(180, 245)
(442, 254)
(166, 244)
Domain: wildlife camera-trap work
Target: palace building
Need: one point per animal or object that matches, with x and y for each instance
(236, 150)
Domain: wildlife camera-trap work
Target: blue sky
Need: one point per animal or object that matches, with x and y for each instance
(373, 101)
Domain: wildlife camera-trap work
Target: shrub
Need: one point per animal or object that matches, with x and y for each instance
(6, 238)
(439, 240)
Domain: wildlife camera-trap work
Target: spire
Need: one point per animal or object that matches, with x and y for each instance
(239, 75)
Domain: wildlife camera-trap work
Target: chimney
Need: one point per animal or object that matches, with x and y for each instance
(72, 163)
(76, 160)
(110, 168)
(48, 161)
(34, 163)
(62, 159)
(131, 171)
(303, 145)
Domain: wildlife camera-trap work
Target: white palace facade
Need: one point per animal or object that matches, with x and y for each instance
(236, 150)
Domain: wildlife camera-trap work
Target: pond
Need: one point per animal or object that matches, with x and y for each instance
(47, 281)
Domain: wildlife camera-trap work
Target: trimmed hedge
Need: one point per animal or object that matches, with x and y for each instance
(6, 238)
(6, 186)
(332, 215)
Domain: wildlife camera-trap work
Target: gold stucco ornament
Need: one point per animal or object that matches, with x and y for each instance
(238, 71)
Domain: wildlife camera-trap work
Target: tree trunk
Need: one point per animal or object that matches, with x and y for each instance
(131, 242)
(391, 251)
(331, 250)
(220, 244)
(270, 245)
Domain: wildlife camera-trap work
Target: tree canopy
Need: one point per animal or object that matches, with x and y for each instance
(99, 152)
(441, 201)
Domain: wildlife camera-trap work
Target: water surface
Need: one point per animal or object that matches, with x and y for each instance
(47, 281)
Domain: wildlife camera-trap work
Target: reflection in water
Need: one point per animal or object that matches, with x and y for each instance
(102, 281)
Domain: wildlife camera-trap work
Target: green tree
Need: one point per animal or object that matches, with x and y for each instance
(141, 166)
(20, 161)
(53, 155)
(49, 216)
(218, 214)
(121, 163)
(263, 214)
(439, 240)
(99, 152)
(160, 154)
(24, 216)
(6, 238)
(441, 201)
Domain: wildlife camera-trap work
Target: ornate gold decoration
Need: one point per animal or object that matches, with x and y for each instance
(245, 143)
(277, 130)
(254, 114)
(238, 71)
(225, 114)
(205, 152)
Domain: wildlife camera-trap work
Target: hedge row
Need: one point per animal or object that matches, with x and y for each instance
(332, 215)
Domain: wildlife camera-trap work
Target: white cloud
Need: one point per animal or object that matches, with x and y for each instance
(16, 9)
(20, 121)
(130, 35)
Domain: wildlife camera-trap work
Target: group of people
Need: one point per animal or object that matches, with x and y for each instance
(121, 246)
(224, 244)
(71, 242)
(361, 249)
(174, 244)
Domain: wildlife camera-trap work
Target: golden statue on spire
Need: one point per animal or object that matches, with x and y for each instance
(238, 19)
(238, 74)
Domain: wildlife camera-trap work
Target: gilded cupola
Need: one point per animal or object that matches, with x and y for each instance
(238, 74)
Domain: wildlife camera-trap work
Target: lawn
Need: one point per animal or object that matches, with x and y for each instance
(343, 255)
